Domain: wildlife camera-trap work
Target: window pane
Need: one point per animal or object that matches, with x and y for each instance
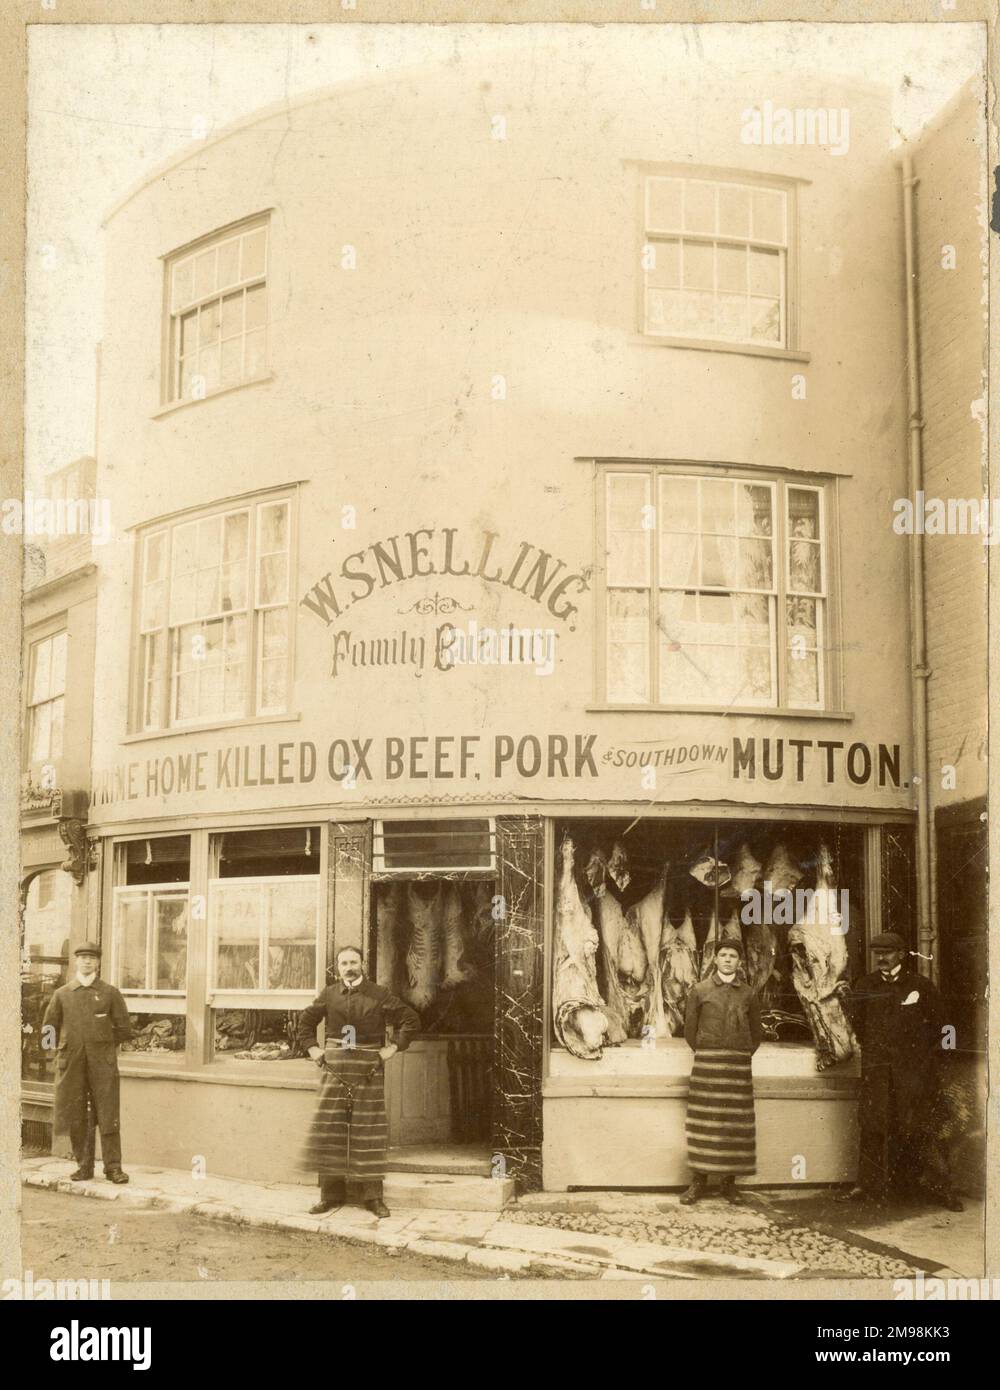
(732, 263)
(152, 695)
(204, 273)
(765, 320)
(699, 206)
(253, 254)
(186, 706)
(754, 614)
(155, 557)
(678, 559)
(132, 914)
(753, 510)
(756, 564)
(732, 318)
(43, 667)
(665, 311)
(756, 683)
(803, 513)
(41, 727)
(56, 728)
(718, 612)
(273, 579)
(183, 284)
(231, 369)
(273, 521)
(717, 505)
(210, 692)
(765, 272)
(663, 204)
(804, 567)
(628, 646)
(187, 375)
(274, 632)
(699, 314)
(236, 914)
(232, 314)
(254, 359)
(678, 503)
(734, 210)
(189, 333)
(628, 538)
(207, 593)
(803, 677)
(208, 367)
(171, 959)
(718, 562)
(235, 535)
(665, 271)
(699, 265)
(229, 263)
(256, 305)
(768, 215)
(234, 586)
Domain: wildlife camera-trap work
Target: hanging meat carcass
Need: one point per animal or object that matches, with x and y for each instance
(456, 970)
(759, 943)
(679, 970)
(647, 914)
(818, 945)
(423, 956)
(579, 1015)
(620, 1007)
(617, 865)
(709, 947)
(730, 931)
(744, 868)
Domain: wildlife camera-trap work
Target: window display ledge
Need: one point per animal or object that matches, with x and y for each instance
(294, 1076)
(779, 1070)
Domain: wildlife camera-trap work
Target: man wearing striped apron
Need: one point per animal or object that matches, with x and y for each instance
(349, 1133)
(722, 1027)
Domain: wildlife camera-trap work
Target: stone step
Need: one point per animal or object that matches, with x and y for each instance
(470, 1159)
(457, 1191)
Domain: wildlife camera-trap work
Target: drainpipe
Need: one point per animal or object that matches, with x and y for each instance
(920, 671)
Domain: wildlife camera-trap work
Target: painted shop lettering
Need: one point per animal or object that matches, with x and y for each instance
(427, 551)
(861, 762)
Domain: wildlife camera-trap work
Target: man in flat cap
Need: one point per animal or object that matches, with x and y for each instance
(898, 1020)
(88, 1019)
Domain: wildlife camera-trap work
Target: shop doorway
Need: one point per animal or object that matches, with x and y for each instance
(433, 943)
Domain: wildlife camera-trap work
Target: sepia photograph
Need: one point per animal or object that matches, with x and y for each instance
(501, 784)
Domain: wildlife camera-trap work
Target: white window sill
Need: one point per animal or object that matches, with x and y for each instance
(296, 1074)
(172, 407)
(710, 345)
(735, 711)
(177, 730)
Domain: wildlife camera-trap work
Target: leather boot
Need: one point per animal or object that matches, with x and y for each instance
(82, 1174)
(116, 1175)
(378, 1207)
(697, 1190)
(729, 1193)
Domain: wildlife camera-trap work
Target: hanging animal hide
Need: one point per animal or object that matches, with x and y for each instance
(580, 1018)
(456, 969)
(423, 956)
(647, 914)
(390, 915)
(679, 970)
(610, 925)
(818, 946)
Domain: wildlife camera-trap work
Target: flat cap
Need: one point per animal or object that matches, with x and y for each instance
(888, 941)
(87, 948)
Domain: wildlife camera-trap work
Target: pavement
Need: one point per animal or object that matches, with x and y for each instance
(580, 1235)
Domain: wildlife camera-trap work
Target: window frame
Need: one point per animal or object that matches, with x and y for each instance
(139, 725)
(830, 674)
(143, 1001)
(170, 381)
(791, 289)
(39, 639)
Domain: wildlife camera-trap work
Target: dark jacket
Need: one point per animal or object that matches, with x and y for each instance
(722, 1016)
(902, 1040)
(366, 1008)
(89, 1021)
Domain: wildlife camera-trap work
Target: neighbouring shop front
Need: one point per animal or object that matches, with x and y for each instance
(219, 934)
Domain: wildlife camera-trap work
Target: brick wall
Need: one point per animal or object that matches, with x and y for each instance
(950, 211)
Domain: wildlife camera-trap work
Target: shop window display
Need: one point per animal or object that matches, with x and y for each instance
(156, 1035)
(150, 916)
(256, 1035)
(642, 908)
(44, 965)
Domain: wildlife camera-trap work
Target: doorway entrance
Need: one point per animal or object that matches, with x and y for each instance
(433, 944)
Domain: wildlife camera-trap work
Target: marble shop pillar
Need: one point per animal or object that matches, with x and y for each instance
(517, 1082)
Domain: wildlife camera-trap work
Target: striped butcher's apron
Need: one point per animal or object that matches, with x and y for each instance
(347, 1140)
(721, 1129)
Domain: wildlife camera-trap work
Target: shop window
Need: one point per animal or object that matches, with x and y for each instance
(434, 847)
(156, 1035)
(44, 964)
(150, 919)
(217, 312)
(716, 590)
(46, 698)
(265, 916)
(213, 620)
(256, 1035)
(641, 909)
(715, 259)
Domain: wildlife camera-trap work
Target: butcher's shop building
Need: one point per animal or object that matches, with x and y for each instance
(505, 583)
